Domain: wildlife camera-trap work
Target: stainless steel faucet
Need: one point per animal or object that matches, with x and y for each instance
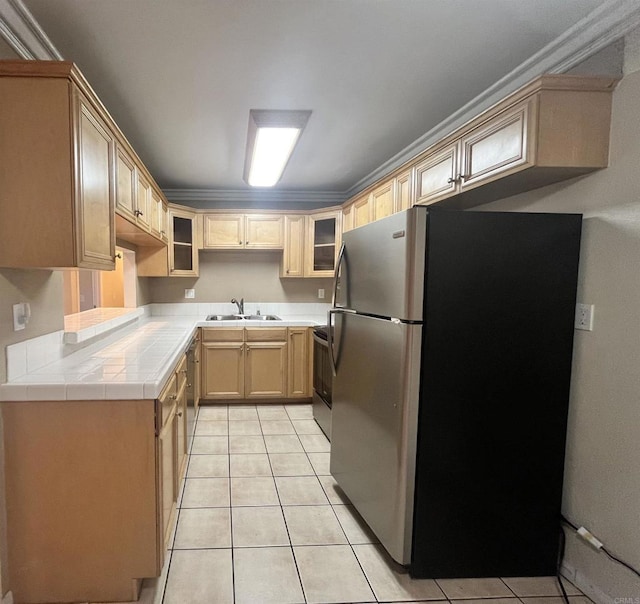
(239, 304)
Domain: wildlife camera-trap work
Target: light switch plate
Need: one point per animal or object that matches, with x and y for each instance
(321, 294)
(189, 293)
(584, 317)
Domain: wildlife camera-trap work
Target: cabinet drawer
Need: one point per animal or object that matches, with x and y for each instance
(181, 373)
(167, 399)
(266, 334)
(223, 334)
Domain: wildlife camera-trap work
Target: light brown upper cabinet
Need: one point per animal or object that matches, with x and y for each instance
(322, 243)
(143, 202)
(347, 218)
(554, 128)
(403, 191)
(243, 231)
(126, 183)
(293, 254)
(382, 201)
(362, 211)
(183, 244)
(57, 190)
(490, 151)
(436, 176)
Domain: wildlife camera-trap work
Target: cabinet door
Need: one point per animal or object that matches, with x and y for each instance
(361, 211)
(403, 191)
(197, 376)
(181, 429)
(155, 212)
(167, 446)
(183, 252)
(293, 255)
(347, 219)
(143, 202)
(95, 190)
(125, 184)
(322, 243)
(382, 202)
(264, 232)
(437, 176)
(298, 374)
(497, 147)
(224, 231)
(266, 364)
(164, 222)
(223, 370)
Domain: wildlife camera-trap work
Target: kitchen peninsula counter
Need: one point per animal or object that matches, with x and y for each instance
(131, 363)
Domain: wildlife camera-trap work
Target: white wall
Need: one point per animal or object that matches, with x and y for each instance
(602, 471)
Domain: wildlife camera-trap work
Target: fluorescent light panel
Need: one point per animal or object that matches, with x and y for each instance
(272, 136)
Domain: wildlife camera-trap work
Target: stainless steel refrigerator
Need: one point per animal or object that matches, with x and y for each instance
(451, 342)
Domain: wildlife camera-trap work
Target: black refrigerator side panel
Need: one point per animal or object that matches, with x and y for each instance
(496, 366)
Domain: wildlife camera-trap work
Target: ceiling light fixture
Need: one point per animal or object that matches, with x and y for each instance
(271, 138)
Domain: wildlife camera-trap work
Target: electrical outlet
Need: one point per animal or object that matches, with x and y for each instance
(190, 293)
(584, 317)
(321, 294)
(21, 315)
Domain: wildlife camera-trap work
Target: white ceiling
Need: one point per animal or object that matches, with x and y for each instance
(180, 77)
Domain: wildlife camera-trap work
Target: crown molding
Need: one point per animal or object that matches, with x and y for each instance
(23, 33)
(239, 196)
(602, 26)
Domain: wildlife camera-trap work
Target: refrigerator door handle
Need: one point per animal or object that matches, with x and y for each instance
(336, 274)
(332, 356)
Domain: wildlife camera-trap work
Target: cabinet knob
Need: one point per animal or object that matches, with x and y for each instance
(197, 361)
(138, 213)
(180, 414)
(451, 180)
(239, 242)
(246, 243)
(183, 371)
(173, 397)
(287, 271)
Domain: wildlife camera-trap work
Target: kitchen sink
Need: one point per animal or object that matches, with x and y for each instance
(243, 317)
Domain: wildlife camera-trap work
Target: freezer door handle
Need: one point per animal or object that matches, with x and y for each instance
(336, 274)
(332, 355)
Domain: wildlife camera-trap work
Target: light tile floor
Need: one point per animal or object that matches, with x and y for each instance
(262, 521)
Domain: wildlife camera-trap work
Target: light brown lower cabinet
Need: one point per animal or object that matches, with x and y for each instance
(299, 363)
(260, 363)
(91, 489)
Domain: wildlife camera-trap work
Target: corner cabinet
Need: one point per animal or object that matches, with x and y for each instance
(322, 244)
(183, 244)
(57, 190)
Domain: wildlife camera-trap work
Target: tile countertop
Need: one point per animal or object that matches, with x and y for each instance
(133, 363)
